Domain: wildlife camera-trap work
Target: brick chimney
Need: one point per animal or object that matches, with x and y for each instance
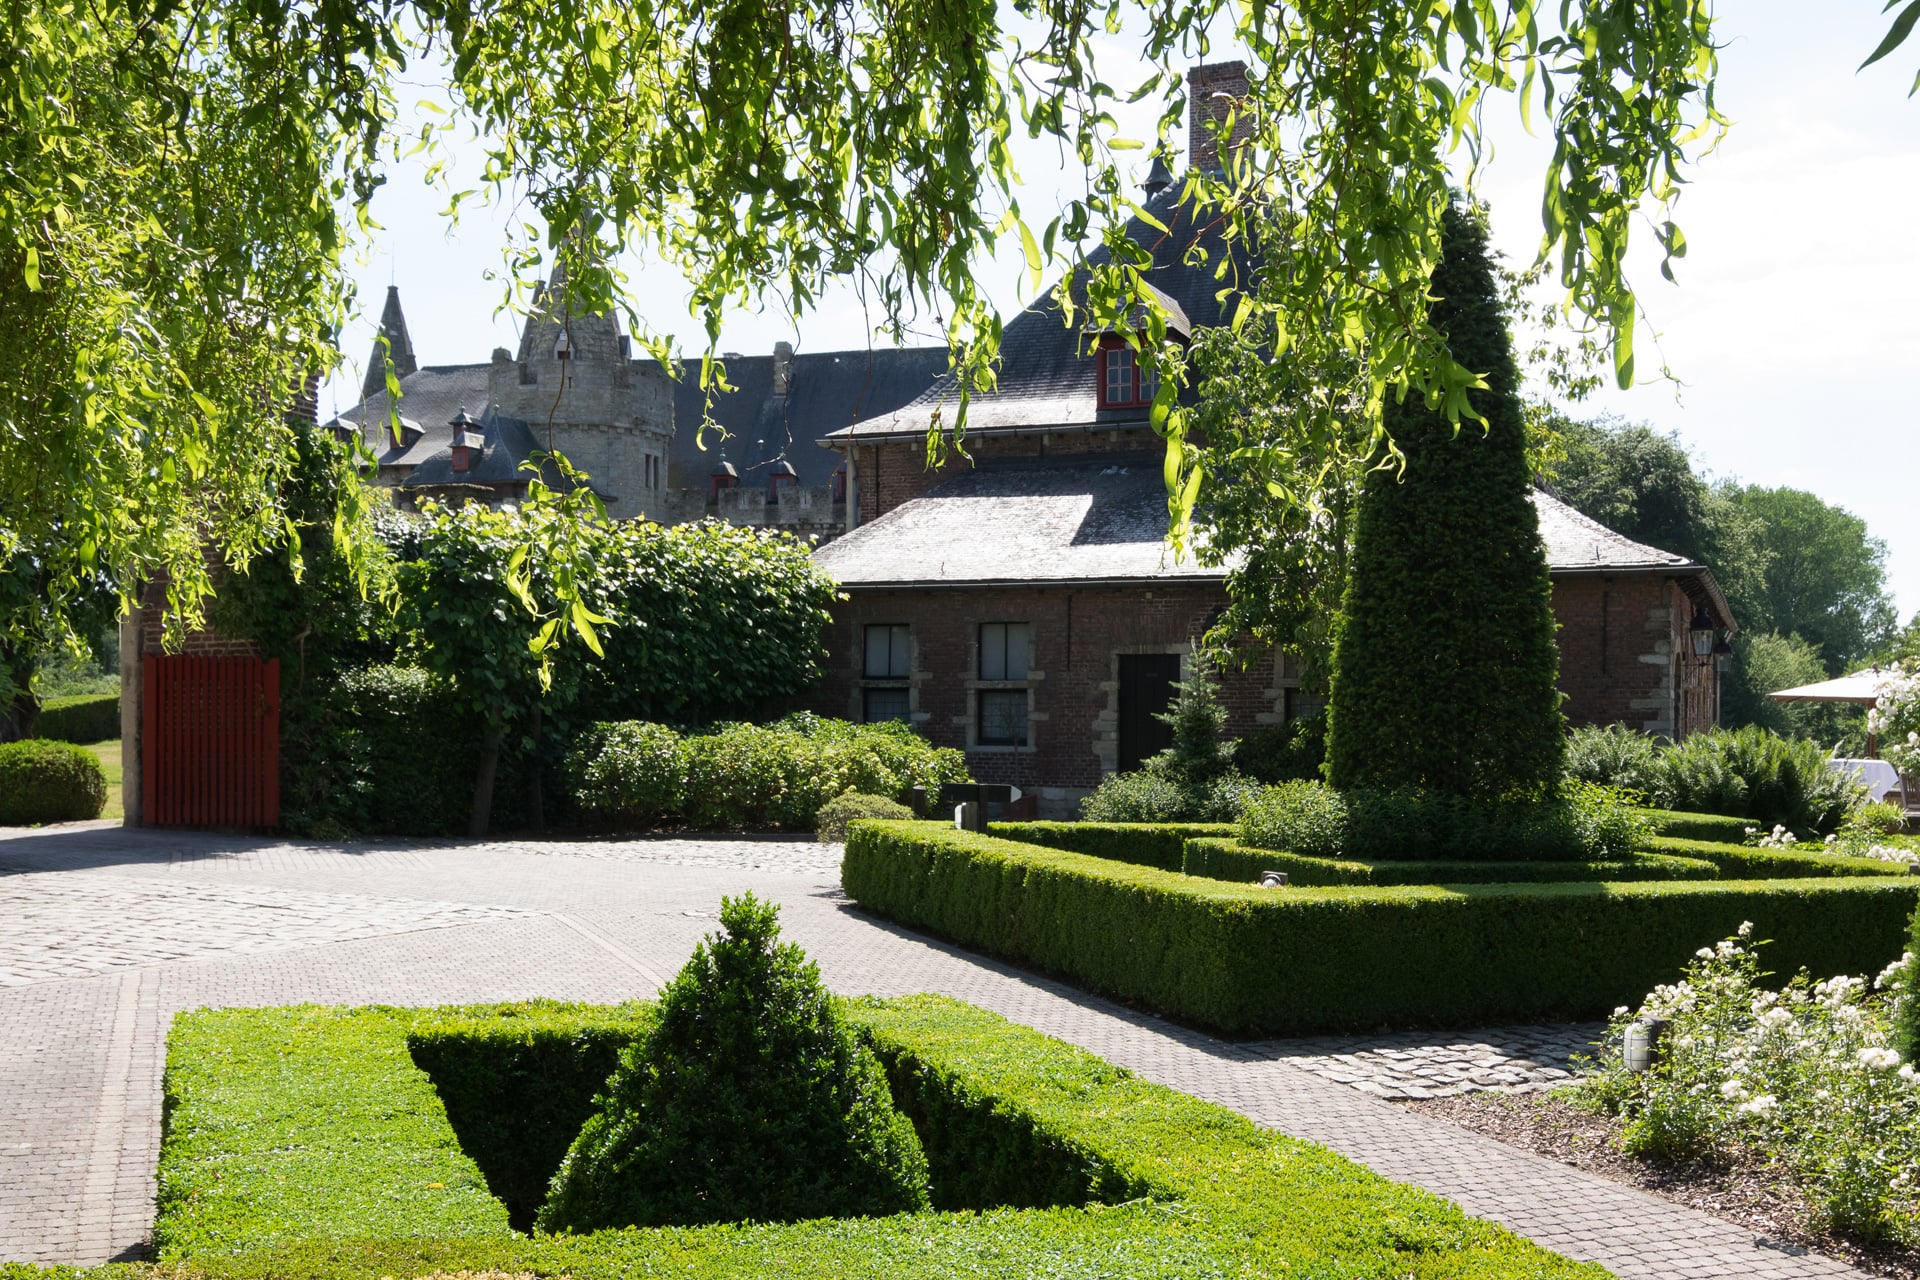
(1214, 90)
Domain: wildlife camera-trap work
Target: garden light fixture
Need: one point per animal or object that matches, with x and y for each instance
(1273, 879)
(1644, 1042)
(1701, 632)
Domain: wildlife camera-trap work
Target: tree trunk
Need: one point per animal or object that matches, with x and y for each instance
(483, 783)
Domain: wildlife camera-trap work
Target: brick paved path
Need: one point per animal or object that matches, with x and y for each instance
(105, 934)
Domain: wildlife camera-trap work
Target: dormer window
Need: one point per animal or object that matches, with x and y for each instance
(562, 350)
(1124, 383)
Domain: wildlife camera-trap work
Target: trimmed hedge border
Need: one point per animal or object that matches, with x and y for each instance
(1241, 864)
(1699, 826)
(1746, 862)
(1144, 844)
(1138, 1179)
(86, 718)
(1251, 961)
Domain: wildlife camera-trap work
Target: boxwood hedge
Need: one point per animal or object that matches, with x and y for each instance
(1248, 960)
(303, 1143)
(83, 718)
(1230, 860)
(1146, 844)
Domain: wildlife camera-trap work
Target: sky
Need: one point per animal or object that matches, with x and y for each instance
(1793, 327)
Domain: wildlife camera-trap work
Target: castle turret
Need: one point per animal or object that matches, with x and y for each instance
(392, 347)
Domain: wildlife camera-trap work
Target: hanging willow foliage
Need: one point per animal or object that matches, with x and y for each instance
(170, 180)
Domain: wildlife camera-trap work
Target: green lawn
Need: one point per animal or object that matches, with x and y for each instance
(109, 753)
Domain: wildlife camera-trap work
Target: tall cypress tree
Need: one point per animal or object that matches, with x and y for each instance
(1444, 662)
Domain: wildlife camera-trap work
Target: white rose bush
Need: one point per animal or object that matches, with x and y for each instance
(1808, 1075)
(1896, 716)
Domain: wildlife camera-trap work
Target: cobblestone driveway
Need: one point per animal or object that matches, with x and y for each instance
(105, 934)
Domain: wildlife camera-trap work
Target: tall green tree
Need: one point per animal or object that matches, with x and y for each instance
(1444, 663)
(1825, 579)
(163, 300)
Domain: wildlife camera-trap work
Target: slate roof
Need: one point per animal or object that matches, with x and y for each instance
(1576, 543)
(509, 442)
(1102, 519)
(827, 391)
(1046, 377)
(429, 397)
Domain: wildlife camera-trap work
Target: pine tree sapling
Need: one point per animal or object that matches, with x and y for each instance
(1199, 753)
(748, 1100)
(1444, 663)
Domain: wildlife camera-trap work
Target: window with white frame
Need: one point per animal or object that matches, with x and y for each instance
(1001, 704)
(885, 665)
(1124, 381)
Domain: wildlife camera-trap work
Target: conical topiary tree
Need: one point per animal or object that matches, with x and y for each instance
(748, 1100)
(1444, 661)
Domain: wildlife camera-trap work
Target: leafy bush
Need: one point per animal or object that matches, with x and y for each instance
(1292, 752)
(1206, 951)
(630, 775)
(836, 815)
(1613, 755)
(1751, 773)
(635, 775)
(1806, 1075)
(1140, 796)
(88, 718)
(748, 1099)
(1311, 818)
(44, 781)
(1906, 1010)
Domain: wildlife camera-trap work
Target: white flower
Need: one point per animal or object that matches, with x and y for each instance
(1705, 953)
(1876, 1059)
(1746, 929)
(1774, 1018)
(1764, 1105)
(1908, 1074)
(1733, 1090)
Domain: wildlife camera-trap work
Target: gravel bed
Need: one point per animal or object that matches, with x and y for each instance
(1742, 1188)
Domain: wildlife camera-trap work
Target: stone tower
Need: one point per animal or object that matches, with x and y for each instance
(573, 382)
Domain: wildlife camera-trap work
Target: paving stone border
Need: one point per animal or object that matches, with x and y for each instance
(1439, 1064)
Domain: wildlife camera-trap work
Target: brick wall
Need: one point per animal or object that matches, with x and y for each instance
(892, 473)
(1624, 656)
(1077, 634)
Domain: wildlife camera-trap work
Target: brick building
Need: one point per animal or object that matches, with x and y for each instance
(1021, 604)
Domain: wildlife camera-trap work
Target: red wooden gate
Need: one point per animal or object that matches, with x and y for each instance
(210, 742)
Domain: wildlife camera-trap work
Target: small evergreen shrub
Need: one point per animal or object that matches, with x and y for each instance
(1585, 823)
(1613, 755)
(86, 718)
(748, 1100)
(630, 775)
(44, 781)
(838, 814)
(1195, 779)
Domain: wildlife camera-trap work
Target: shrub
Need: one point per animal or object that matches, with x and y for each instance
(630, 775)
(1444, 665)
(1135, 797)
(747, 1100)
(1906, 1009)
(1207, 952)
(1804, 1074)
(88, 718)
(1194, 780)
(43, 781)
(1159, 845)
(1738, 862)
(518, 1081)
(1311, 818)
(836, 815)
(1751, 773)
(1613, 755)
(1292, 752)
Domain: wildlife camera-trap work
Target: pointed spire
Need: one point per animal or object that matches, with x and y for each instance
(398, 348)
(1158, 177)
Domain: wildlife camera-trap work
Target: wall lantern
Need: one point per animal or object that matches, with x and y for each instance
(1645, 1041)
(1701, 633)
(1273, 879)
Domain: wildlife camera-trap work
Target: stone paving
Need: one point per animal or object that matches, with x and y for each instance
(80, 1056)
(1439, 1064)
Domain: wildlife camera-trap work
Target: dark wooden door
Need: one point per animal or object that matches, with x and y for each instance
(210, 742)
(1146, 690)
